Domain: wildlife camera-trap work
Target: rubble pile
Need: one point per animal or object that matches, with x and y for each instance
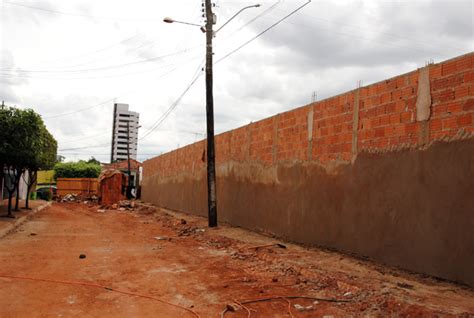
(124, 205)
(78, 198)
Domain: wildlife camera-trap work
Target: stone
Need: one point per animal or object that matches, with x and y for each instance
(232, 307)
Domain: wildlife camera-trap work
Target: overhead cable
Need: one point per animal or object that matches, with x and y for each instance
(263, 32)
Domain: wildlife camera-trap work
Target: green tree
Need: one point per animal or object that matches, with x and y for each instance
(94, 161)
(24, 144)
(79, 169)
(43, 158)
(10, 150)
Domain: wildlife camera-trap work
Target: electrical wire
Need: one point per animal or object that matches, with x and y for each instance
(393, 35)
(260, 15)
(263, 32)
(165, 115)
(100, 68)
(79, 15)
(111, 99)
(157, 123)
(91, 52)
(79, 110)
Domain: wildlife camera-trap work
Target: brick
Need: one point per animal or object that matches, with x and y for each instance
(468, 105)
(454, 107)
(382, 143)
(407, 92)
(449, 67)
(411, 103)
(406, 117)
(411, 128)
(464, 62)
(390, 108)
(435, 71)
(438, 84)
(394, 141)
(436, 125)
(399, 130)
(455, 80)
(449, 123)
(413, 78)
(439, 110)
(443, 96)
(379, 132)
(468, 77)
(375, 122)
(363, 92)
(397, 95)
(384, 120)
(394, 119)
(401, 81)
(385, 98)
(461, 91)
(389, 131)
(400, 106)
(464, 120)
(380, 110)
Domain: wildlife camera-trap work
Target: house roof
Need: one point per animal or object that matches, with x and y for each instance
(123, 165)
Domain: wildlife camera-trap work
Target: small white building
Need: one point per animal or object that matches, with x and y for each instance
(125, 123)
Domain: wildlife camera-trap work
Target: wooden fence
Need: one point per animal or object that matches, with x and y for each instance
(85, 186)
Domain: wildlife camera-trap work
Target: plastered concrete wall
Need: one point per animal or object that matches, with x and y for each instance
(384, 171)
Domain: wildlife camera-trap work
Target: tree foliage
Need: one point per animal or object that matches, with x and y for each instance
(79, 169)
(25, 144)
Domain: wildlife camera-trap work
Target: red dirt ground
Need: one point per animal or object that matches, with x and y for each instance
(202, 271)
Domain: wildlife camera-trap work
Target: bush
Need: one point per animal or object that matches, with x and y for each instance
(79, 169)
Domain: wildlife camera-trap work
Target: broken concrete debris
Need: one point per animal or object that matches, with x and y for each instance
(162, 238)
(232, 307)
(79, 198)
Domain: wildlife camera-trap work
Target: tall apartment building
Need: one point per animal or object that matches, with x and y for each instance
(122, 116)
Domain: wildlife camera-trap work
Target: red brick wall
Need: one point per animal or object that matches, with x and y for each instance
(386, 120)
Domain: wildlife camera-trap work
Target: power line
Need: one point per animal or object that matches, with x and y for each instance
(105, 102)
(160, 120)
(101, 68)
(260, 15)
(92, 52)
(79, 110)
(54, 77)
(79, 15)
(430, 43)
(87, 137)
(263, 32)
(174, 105)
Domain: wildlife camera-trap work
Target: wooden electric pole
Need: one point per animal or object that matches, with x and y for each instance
(211, 164)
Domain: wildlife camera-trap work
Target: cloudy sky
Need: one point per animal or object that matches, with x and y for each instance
(71, 60)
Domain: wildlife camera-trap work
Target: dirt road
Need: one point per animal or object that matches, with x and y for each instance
(154, 263)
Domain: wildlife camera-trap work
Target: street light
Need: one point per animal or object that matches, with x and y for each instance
(171, 20)
(211, 160)
(238, 12)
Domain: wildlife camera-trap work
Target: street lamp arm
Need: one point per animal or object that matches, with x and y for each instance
(248, 7)
(171, 20)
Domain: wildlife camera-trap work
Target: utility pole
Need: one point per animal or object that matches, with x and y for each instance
(129, 184)
(211, 162)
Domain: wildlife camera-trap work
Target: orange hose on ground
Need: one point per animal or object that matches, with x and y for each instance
(65, 282)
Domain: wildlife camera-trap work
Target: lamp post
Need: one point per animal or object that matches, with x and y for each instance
(211, 160)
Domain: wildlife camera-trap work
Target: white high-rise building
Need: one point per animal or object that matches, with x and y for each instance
(122, 118)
